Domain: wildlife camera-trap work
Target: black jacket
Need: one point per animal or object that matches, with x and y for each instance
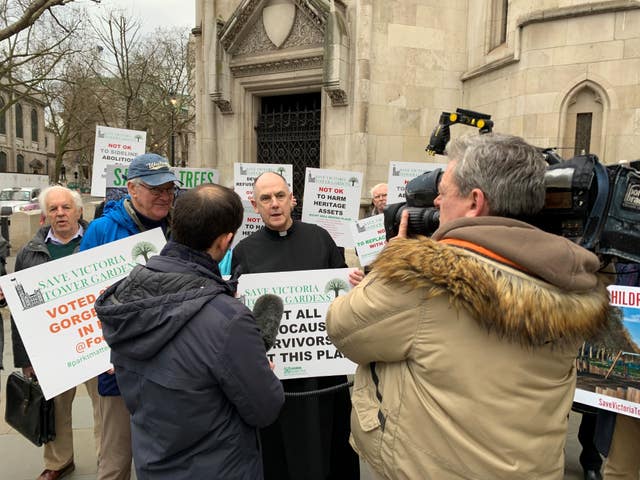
(35, 252)
(192, 368)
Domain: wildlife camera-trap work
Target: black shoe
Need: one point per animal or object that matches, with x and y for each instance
(592, 475)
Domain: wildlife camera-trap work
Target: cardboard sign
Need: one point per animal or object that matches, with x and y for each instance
(251, 223)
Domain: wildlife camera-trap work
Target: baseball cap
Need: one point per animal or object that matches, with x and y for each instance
(152, 169)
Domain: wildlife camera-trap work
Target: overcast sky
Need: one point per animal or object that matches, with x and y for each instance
(156, 13)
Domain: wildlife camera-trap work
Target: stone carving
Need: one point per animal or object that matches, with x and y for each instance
(223, 105)
(285, 65)
(338, 98)
(277, 18)
(303, 34)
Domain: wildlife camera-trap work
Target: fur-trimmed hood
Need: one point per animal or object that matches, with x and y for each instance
(556, 296)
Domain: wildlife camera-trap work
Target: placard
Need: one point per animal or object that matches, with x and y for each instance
(116, 182)
(244, 174)
(609, 367)
(52, 305)
(332, 201)
(302, 347)
(251, 223)
(114, 146)
(369, 238)
(400, 173)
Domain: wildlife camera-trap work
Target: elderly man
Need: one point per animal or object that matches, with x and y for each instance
(378, 199)
(466, 341)
(61, 237)
(189, 358)
(151, 186)
(310, 438)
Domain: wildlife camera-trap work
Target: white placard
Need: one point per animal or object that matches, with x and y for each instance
(332, 201)
(251, 223)
(400, 173)
(52, 305)
(114, 146)
(244, 174)
(609, 372)
(369, 238)
(302, 347)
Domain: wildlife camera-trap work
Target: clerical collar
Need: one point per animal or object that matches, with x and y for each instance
(284, 233)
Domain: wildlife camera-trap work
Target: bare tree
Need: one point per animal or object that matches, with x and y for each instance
(29, 56)
(20, 16)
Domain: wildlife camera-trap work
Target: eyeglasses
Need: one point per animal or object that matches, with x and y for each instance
(265, 199)
(159, 191)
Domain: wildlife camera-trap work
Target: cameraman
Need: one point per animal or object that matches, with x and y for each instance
(466, 341)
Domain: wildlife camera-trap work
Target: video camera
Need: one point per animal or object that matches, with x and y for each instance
(595, 206)
(420, 192)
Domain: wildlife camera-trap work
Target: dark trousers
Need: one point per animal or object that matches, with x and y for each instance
(589, 457)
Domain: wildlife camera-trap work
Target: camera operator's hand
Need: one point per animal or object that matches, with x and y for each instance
(404, 225)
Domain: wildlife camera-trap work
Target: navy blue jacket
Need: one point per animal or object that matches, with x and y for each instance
(192, 369)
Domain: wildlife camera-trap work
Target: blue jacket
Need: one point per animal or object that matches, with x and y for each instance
(114, 224)
(192, 369)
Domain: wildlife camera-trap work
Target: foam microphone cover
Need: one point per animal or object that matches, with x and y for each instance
(268, 311)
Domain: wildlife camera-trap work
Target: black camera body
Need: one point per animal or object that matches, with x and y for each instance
(594, 206)
(424, 218)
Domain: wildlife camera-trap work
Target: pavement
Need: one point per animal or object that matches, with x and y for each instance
(21, 460)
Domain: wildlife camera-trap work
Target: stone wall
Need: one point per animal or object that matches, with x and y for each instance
(409, 60)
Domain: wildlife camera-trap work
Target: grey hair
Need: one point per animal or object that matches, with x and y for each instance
(508, 170)
(42, 198)
(378, 185)
(135, 181)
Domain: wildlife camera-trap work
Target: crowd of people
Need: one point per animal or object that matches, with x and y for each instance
(465, 341)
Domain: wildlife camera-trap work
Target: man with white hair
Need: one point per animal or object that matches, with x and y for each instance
(60, 237)
(378, 198)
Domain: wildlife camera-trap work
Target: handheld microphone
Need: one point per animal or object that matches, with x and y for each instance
(268, 311)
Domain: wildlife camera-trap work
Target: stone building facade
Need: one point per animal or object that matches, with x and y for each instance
(370, 78)
(26, 146)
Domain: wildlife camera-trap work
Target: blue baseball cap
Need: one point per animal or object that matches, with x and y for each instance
(152, 169)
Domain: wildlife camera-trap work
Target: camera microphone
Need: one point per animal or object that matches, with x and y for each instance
(268, 311)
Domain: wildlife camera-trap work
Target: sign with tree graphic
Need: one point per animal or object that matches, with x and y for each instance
(369, 238)
(332, 200)
(113, 146)
(52, 305)
(302, 347)
(244, 174)
(609, 365)
(401, 173)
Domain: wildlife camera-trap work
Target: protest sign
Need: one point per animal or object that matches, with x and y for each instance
(251, 223)
(302, 347)
(609, 366)
(52, 305)
(369, 238)
(116, 181)
(332, 200)
(113, 146)
(244, 174)
(400, 173)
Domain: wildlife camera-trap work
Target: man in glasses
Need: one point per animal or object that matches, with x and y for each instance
(151, 186)
(378, 199)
